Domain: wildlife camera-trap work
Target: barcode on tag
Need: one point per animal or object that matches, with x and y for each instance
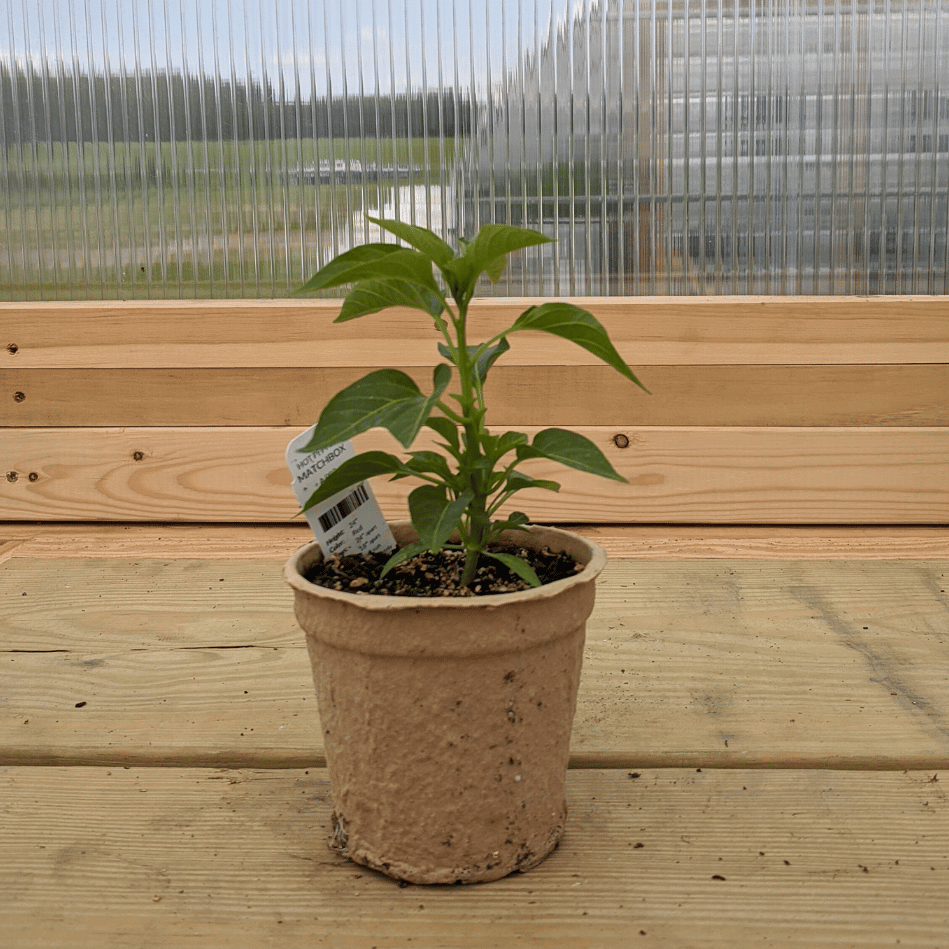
(345, 507)
(349, 522)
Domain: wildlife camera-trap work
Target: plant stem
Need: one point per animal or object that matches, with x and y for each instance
(477, 515)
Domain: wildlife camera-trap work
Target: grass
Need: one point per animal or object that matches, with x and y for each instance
(216, 219)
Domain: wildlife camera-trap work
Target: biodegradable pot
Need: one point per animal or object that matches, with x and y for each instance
(446, 721)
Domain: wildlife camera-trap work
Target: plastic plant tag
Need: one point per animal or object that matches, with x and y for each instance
(349, 522)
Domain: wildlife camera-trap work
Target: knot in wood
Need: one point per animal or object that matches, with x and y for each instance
(621, 440)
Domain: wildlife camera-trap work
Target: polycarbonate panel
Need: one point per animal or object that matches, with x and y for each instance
(227, 148)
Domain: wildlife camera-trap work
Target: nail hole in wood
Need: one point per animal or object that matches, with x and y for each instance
(33, 476)
(138, 455)
(12, 349)
(12, 476)
(19, 396)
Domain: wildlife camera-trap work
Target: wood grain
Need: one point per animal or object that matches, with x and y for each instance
(8, 548)
(684, 475)
(107, 858)
(517, 395)
(46, 540)
(799, 672)
(647, 331)
(704, 663)
(770, 542)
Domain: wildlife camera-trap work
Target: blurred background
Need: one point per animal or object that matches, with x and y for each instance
(228, 148)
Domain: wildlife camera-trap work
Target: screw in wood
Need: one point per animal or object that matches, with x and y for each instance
(19, 396)
(621, 440)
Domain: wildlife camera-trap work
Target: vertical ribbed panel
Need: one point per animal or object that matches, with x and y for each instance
(174, 148)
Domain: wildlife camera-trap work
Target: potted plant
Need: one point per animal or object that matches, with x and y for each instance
(446, 717)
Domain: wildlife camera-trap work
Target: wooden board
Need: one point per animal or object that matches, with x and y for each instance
(704, 662)
(887, 395)
(690, 475)
(38, 539)
(647, 331)
(174, 646)
(106, 858)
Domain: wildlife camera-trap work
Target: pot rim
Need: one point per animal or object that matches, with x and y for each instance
(575, 544)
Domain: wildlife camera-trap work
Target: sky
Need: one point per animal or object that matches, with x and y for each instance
(349, 45)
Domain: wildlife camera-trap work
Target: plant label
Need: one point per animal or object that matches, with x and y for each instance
(349, 522)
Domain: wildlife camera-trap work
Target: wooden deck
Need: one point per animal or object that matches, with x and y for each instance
(761, 750)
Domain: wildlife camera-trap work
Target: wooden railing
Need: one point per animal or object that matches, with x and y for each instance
(780, 410)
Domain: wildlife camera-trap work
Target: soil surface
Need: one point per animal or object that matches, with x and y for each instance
(438, 574)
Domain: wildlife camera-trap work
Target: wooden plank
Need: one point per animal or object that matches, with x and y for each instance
(518, 395)
(684, 475)
(8, 548)
(771, 542)
(641, 542)
(647, 331)
(705, 663)
(101, 858)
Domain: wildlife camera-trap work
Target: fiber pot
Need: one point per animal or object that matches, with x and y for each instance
(446, 721)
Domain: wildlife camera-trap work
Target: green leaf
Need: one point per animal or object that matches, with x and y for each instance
(387, 398)
(517, 565)
(580, 327)
(430, 244)
(495, 271)
(334, 273)
(480, 474)
(402, 554)
(371, 296)
(495, 241)
(399, 262)
(571, 449)
(515, 522)
(518, 482)
(444, 351)
(485, 361)
(355, 470)
(489, 357)
(460, 278)
(487, 253)
(448, 431)
(430, 462)
(434, 516)
(507, 442)
(497, 446)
